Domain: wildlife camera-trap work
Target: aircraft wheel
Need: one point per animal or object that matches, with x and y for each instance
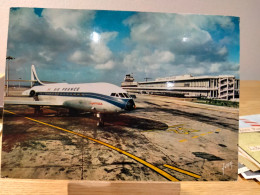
(100, 124)
(32, 93)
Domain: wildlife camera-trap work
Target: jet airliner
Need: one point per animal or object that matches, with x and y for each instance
(99, 98)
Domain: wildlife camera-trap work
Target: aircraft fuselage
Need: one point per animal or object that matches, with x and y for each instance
(94, 97)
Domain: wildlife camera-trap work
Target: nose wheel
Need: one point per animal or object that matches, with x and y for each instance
(130, 105)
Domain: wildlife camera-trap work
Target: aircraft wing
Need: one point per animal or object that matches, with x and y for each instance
(29, 103)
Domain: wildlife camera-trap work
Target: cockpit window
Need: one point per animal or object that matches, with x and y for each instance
(121, 95)
(125, 94)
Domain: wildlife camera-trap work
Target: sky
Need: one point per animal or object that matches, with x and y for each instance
(80, 46)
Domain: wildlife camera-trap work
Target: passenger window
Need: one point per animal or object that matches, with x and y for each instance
(113, 94)
(121, 95)
(117, 95)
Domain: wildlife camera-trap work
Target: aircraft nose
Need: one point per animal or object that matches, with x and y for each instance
(130, 105)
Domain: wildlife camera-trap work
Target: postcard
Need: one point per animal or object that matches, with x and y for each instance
(120, 96)
(249, 123)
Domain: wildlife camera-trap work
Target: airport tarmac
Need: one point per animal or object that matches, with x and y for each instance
(162, 139)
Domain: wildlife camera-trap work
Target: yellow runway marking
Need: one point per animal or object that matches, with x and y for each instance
(161, 172)
(180, 129)
(176, 131)
(10, 112)
(182, 171)
(196, 136)
(170, 130)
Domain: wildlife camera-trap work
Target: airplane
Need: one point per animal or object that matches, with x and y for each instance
(99, 98)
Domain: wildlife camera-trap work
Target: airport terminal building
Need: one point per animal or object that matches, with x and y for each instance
(224, 87)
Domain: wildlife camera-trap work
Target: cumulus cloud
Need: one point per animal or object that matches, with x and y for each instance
(150, 45)
(145, 60)
(166, 30)
(222, 51)
(32, 37)
(69, 21)
(108, 65)
(186, 37)
(200, 70)
(57, 38)
(96, 53)
(214, 68)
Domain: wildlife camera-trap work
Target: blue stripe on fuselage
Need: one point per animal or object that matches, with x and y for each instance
(112, 100)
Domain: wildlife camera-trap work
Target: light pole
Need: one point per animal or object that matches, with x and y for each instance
(19, 82)
(7, 74)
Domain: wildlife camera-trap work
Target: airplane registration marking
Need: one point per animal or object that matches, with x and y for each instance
(96, 103)
(182, 171)
(156, 169)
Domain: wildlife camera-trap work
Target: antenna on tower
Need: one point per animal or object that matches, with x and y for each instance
(146, 79)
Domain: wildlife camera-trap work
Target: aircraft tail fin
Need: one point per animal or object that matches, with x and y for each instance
(34, 78)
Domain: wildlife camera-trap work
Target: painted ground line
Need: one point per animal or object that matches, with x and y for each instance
(171, 130)
(156, 169)
(168, 129)
(196, 136)
(182, 171)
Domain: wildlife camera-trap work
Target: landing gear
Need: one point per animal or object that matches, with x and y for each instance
(101, 122)
(38, 110)
(73, 112)
(34, 95)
